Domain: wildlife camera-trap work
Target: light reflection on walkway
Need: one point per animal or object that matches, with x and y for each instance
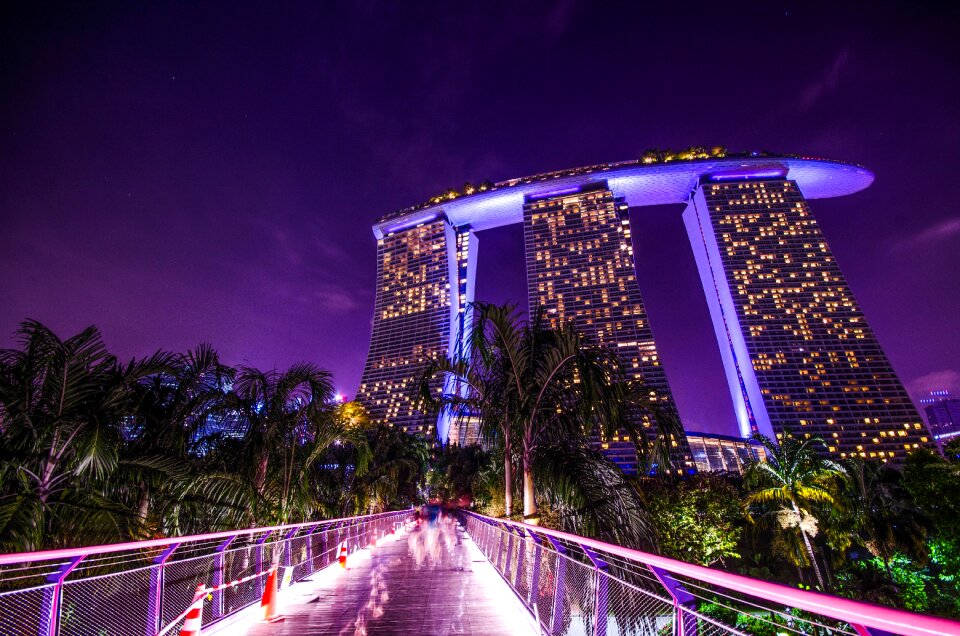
(430, 580)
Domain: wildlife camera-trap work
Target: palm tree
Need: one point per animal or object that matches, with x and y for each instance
(793, 481)
(884, 513)
(535, 384)
(262, 471)
(62, 412)
(482, 381)
(171, 412)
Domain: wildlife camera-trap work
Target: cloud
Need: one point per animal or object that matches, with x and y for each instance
(332, 298)
(936, 233)
(938, 380)
(827, 83)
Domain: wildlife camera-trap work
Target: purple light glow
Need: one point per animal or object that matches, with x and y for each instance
(748, 175)
(411, 223)
(554, 193)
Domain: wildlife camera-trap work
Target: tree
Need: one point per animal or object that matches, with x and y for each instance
(285, 422)
(884, 513)
(483, 382)
(455, 472)
(169, 422)
(791, 484)
(61, 417)
(537, 384)
(698, 519)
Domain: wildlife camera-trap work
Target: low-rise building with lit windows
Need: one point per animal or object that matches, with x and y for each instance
(723, 453)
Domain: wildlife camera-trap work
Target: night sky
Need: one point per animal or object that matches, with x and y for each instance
(178, 173)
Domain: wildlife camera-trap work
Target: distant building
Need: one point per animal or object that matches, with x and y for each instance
(723, 453)
(796, 346)
(580, 269)
(943, 414)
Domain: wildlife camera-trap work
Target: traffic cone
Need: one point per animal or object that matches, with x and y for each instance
(191, 624)
(343, 555)
(268, 604)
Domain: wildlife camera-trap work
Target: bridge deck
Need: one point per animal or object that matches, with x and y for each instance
(430, 581)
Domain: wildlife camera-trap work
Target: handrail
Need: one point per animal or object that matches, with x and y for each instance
(856, 613)
(155, 584)
(66, 553)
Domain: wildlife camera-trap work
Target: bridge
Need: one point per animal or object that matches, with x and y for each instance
(455, 574)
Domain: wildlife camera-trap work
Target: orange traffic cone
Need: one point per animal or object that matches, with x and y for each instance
(191, 624)
(343, 555)
(268, 604)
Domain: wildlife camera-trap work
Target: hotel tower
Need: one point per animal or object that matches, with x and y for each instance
(798, 353)
(580, 270)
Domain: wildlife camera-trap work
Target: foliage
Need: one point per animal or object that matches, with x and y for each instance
(698, 519)
(792, 491)
(585, 493)
(934, 484)
(456, 474)
(93, 450)
(532, 383)
(884, 513)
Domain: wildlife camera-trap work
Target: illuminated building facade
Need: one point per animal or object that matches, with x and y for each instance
(580, 269)
(723, 453)
(943, 415)
(424, 281)
(796, 347)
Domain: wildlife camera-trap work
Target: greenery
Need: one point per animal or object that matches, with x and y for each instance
(540, 393)
(93, 450)
(697, 519)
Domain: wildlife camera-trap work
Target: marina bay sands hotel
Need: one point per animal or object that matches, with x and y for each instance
(796, 348)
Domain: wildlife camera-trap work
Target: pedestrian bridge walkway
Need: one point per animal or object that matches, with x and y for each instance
(430, 580)
(461, 574)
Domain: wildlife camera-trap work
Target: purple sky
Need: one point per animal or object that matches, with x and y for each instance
(177, 174)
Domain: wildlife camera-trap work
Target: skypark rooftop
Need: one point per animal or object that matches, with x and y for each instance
(641, 183)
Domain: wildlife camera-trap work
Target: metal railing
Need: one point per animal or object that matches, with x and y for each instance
(141, 587)
(576, 585)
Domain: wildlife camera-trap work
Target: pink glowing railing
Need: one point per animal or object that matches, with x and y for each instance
(576, 585)
(137, 588)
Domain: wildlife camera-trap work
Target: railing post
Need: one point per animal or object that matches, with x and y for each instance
(534, 594)
(560, 574)
(682, 599)
(53, 598)
(155, 600)
(600, 591)
(216, 605)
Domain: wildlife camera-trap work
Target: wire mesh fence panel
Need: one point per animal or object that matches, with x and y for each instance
(634, 611)
(180, 581)
(526, 554)
(577, 608)
(114, 605)
(707, 626)
(21, 611)
(327, 545)
(542, 596)
(240, 563)
(296, 556)
(511, 543)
